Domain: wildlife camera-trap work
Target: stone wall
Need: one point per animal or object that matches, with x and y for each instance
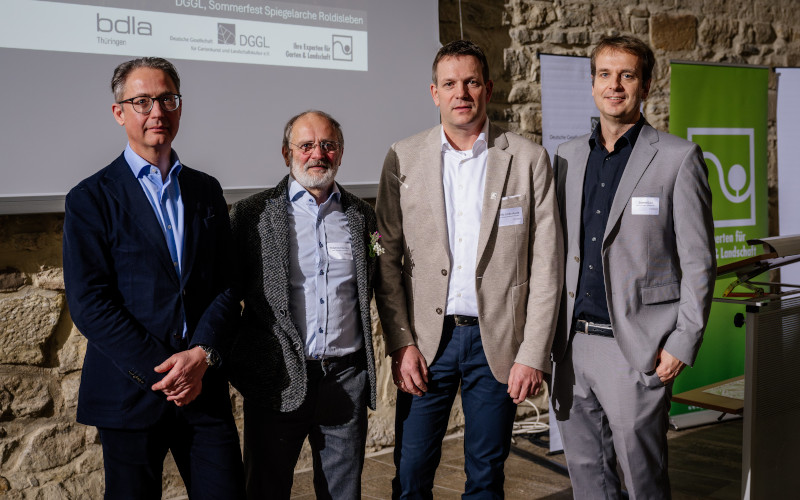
(44, 454)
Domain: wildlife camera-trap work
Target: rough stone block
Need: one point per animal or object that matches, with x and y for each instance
(673, 31)
(70, 385)
(575, 15)
(28, 318)
(524, 93)
(31, 397)
(12, 279)
(640, 25)
(764, 33)
(70, 356)
(718, 32)
(516, 62)
(52, 446)
(580, 37)
(50, 279)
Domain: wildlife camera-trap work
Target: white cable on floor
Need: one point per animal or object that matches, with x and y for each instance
(528, 426)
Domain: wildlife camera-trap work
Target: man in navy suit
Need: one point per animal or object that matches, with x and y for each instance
(146, 267)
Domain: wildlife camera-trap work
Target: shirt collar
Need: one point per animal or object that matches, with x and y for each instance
(480, 142)
(630, 135)
(297, 191)
(141, 167)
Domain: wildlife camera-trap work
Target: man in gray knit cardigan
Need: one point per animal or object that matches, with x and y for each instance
(303, 357)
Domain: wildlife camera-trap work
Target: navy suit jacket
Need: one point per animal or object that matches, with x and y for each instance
(126, 298)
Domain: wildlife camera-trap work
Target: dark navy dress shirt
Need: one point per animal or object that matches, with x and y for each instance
(603, 171)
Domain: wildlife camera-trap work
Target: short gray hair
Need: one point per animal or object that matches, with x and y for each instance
(123, 70)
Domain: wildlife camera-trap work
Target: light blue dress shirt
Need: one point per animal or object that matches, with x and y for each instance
(322, 275)
(165, 198)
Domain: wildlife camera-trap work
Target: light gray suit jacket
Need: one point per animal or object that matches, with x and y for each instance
(658, 269)
(519, 267)
(267, 362)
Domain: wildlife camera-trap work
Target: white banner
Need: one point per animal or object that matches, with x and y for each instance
(789, 161)
(71, 27)
(568, 109)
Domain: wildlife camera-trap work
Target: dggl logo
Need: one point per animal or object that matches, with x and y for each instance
(125, 26)
(226, 35)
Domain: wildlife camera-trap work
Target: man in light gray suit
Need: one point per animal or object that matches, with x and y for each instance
(470, 282)
(636, 213)
(303, 358)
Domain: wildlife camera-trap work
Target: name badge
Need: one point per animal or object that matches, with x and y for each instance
(340, 251)
(644, 205)
(510, 216)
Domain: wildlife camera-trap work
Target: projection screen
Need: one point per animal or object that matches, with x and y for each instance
(246, 66)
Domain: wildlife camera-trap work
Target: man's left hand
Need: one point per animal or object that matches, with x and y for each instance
(668, 366)
(523, 381)
(184, 380)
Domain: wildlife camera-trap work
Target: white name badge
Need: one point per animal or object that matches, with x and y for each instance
(644, 205)
(340, 251)
(510, 216)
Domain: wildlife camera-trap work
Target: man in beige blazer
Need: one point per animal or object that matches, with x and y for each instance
(636, 212)
(469, 284)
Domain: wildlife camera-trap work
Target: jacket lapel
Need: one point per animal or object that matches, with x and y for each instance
(125, 188)
(355, 220)
(498, 162)
(574, 189)
(192, 219)
(274, 226)
(432, 188)
(641, 157)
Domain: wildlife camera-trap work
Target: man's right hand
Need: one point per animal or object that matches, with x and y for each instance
(409, 370)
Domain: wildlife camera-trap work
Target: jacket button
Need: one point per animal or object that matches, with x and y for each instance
(444, 272)
(438, 310)
(571, 295)
(577, 259)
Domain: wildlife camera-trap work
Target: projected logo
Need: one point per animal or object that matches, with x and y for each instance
(594, 121)
(226, 34)
(730, 157)
(342, 47)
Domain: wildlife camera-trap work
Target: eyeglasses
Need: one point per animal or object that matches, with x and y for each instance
(144, 104)
(324, 146)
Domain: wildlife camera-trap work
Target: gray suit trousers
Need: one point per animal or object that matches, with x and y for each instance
(606, 412)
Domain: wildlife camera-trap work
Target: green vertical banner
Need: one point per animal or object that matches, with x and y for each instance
(723, 109)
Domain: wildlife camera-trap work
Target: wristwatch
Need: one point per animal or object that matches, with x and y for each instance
(212, 358)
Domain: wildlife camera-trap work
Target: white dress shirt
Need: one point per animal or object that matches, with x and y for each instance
(464, 177)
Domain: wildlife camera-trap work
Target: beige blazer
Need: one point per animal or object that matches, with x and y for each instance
(519, 267)
(658, 265)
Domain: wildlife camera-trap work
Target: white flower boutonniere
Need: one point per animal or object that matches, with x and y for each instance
(375, 248)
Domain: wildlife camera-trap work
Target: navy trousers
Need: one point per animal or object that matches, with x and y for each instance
(421, 421)
(206, 452)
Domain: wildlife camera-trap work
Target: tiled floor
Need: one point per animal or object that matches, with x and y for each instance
(705, 462)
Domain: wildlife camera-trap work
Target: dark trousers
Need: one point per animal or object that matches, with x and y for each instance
(207, 455)
(421, 421)
(333, 417)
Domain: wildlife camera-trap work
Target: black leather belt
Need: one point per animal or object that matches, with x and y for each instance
(347, 358)
(589, 328)
(460, 320)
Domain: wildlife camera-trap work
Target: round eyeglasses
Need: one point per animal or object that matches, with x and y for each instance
(324, 146)
(144, 104)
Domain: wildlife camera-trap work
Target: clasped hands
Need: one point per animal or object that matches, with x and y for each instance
(410, 374)
(184, 376)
